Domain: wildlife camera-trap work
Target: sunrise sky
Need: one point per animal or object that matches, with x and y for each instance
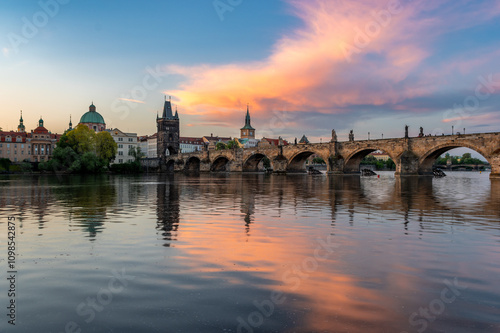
(304, 67)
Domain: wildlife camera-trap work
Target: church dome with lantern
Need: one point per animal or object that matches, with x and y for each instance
(93, 119)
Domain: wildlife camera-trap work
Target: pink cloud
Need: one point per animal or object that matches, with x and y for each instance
(309, 68)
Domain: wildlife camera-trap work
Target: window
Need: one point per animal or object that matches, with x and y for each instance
(120, 146)
(120, 161)
(120, 153)
(120, 139)
(130, 140)
(22, 146)
(8, 139)
(15, 145)
(8, 145)
(22, 152)
(19, 139)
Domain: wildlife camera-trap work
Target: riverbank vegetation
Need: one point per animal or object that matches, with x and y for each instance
(81, 150)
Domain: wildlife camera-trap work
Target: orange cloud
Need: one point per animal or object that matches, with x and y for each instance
(347, 53)
(132, 100)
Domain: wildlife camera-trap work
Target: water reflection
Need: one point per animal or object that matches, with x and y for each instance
(167, 208)
(207, 248)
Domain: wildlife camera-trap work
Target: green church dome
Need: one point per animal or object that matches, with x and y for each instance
(92, 116)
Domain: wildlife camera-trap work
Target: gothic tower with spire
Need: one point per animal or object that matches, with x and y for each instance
(247, 131)
(168, 132)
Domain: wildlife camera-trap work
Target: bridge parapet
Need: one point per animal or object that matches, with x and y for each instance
(412, 156)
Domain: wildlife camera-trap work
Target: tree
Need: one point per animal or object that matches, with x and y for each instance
(232, 144)
(318, 160)
(220, 146)
(81, 139)
(106, 147)
(136, 152)
(266, 162)
(390, 164)
(5, 164)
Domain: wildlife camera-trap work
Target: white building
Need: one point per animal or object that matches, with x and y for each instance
(142, 143)
(189, 145)
(125, 141)
(152, 150)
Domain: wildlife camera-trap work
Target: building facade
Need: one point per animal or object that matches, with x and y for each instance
(189, 144)
(210, 142)
(36, 146)
(125, 142)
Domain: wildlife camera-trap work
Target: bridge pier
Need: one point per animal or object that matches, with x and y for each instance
(335, 165)
(408, 165)
(495, 167)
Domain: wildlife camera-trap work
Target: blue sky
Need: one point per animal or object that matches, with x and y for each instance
(304, 67)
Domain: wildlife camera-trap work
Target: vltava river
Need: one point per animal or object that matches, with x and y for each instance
(252, 253)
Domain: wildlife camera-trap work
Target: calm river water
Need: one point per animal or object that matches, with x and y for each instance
(252, 253)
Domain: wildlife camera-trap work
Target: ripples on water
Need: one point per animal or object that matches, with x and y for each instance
(210, 253)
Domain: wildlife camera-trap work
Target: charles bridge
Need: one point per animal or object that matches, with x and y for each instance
(412, 155)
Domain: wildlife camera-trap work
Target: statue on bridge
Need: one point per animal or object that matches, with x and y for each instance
(406, 131)
(351, 135)
(421, 134)
(334, 136)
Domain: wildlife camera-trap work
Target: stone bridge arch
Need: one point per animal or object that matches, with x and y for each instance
(193, 164)
(220, 164)
(353, 160)
(426, 161)
(297, 161)
(251, 163)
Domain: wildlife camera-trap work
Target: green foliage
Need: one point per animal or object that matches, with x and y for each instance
(318, 160)
(82, 139)
(81, 150)
(5, 164)
(466, 158)
(220, 146)
(379, 164)
(232, 144)
(129, 167)
(106, 147)
(26, 166)
(266, 162)
(136, 152)
(390, 164)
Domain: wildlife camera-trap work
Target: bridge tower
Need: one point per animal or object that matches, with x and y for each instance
(167, 132)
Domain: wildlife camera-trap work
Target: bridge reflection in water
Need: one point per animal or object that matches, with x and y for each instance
(209, 246)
